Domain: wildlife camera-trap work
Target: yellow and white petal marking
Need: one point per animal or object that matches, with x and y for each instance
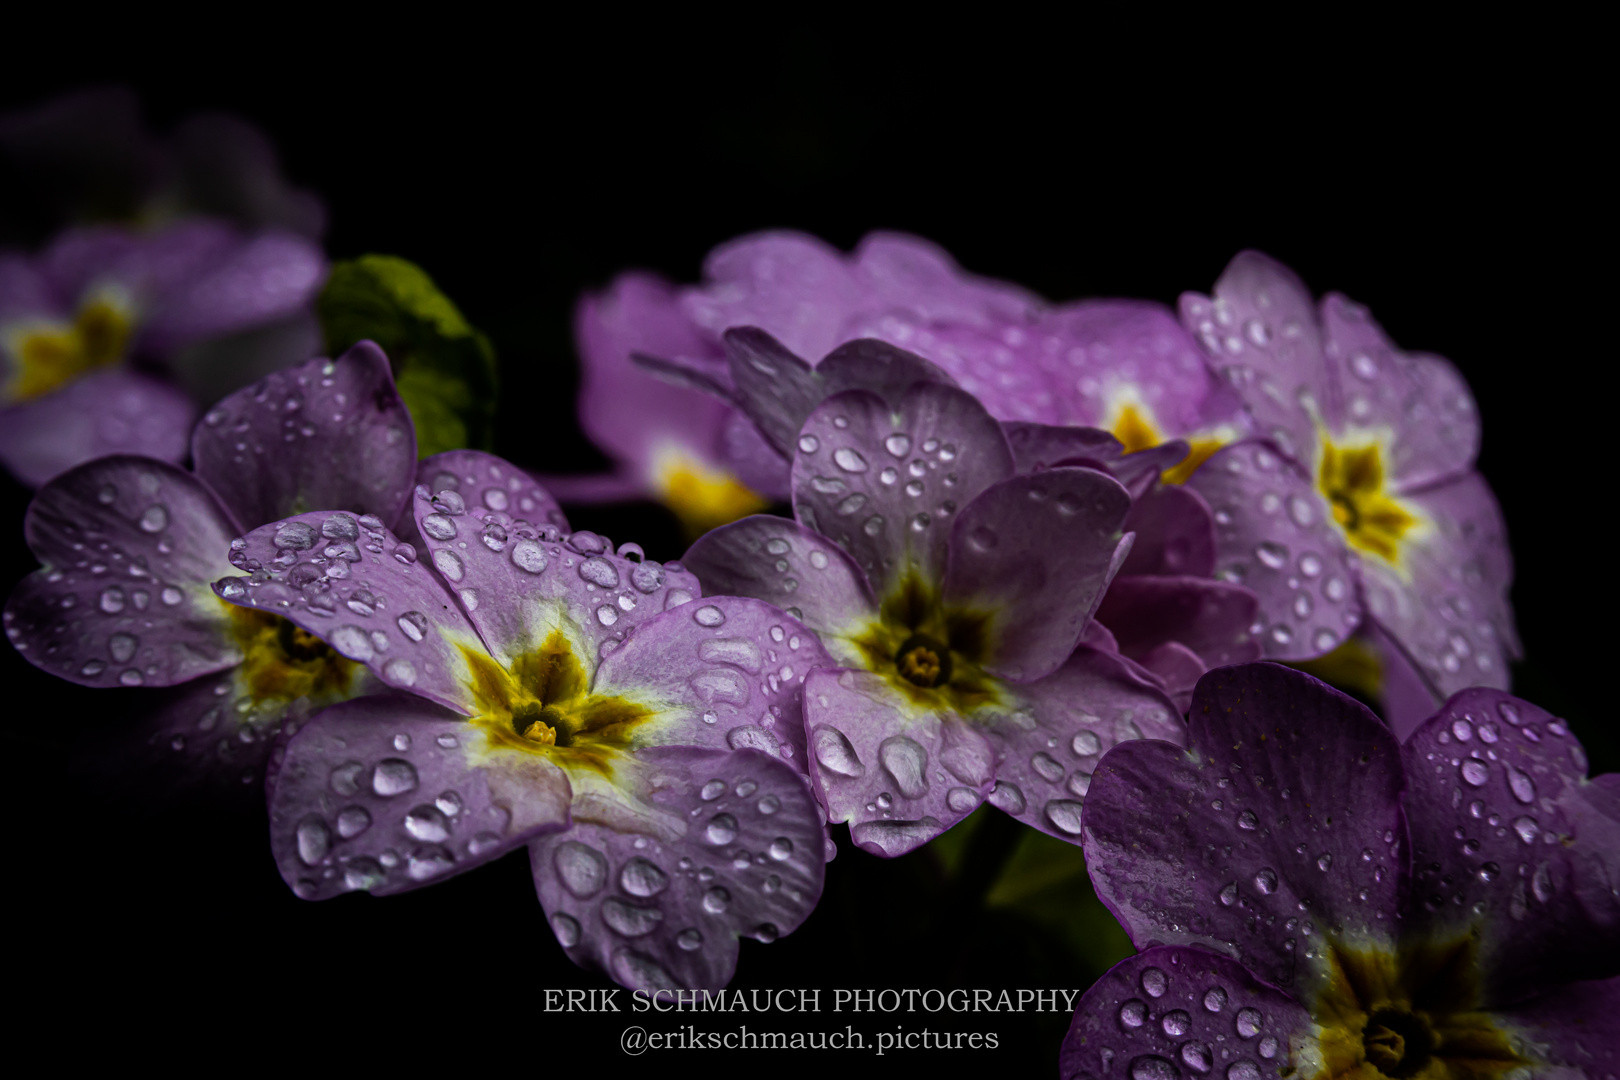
(1407, 1015)
(44, 354)
(1350, 476)
(703, 496)
(1132, 422)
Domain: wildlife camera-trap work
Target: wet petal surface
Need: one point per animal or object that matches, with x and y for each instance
(325, 435)
(1036, 553)
(1511, 841)
(665, 912)
(1173, 1012)
(1275, 534)
(390, 792)
(129, 546)
(1275, 833)
(105, 412)
(886, 483)
(898, 776)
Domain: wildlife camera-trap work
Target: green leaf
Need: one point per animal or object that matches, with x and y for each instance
(444, 367)
(1045, 881)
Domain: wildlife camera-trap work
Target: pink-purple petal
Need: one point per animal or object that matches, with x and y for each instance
(1037, 551)
(783, 563)
(1287, 796)
(372, 598)
(1175, 533)
(795, 287)
(492, 484)
(1173, 1011)
(1421, 399)
(1275, 534)
(1447, 604)
(1571, 1029)
(1212, 618)
(634, 418)
(518, 582)
(389, 792)
(1513, 844)
(898, 776)
(724, 672)
(743, 857)
(261, 279)
(1049, 744)
(1107, 353)
(106, 412)
(775, 388)
(1260, 332)
(884, 481)
(129, 546)
(325, 435)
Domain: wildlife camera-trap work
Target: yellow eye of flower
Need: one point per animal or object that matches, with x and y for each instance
(1352, 479)
(51, 354)
(1135, 431)
(702, 497)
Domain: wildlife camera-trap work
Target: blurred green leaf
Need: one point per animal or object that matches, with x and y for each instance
(444, 367)
(1044, 880)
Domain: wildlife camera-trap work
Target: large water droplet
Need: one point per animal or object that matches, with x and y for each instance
(722, 829)
(1249, 1022)
(1133, 1014)
(581, 869)
(1153, 1067)
(907, 763)
(849, 460)
(314, 840)
(1523, 788)
(641, 877)
(1266, 881)
(835, 754)
(393, 776)
(1064, 814)
(627, 920)
(1475, 772)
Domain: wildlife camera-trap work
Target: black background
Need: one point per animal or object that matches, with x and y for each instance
(1458, 198)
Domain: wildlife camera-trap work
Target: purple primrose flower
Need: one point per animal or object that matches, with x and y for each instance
(953, 593)
(1122, 365)
(643, 743)
(72, 316)
(1314, 898)
(1358, 504)
(130, 547)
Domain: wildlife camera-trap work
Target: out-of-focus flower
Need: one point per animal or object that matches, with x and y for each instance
(951, 593)
(643, 743)
(130, 547)
(76, 318)
(88, 156)
(1316, 899)
(1359, 498)
(1124, 366)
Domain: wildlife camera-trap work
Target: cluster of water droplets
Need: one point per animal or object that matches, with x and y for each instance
(640, 903)
(113, 584)
(1510, 834)
(374, 824)
(911, 486)
(1267, 355)
(1276, 535)
(1181, 1022)
(746, 680)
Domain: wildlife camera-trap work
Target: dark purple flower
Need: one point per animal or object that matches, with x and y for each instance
(1121, 365)
(100, 297)
(1359, 501)
(643, 743)
(130, 547)
(1312, 895)
(952, 593)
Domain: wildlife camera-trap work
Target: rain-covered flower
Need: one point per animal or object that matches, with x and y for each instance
(1167, 612)
(83, 322)
(1359, 500)
(130, 546)
(955, 596)
(1314, 898)
(645, 745)
(1121, 365)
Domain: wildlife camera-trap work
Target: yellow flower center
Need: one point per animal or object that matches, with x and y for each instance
(1405, 1015)
(281, 662)
(931, 654)
(48, 355)
(703, 497)
(1352, 479)
(1135, 431)
(541, 705)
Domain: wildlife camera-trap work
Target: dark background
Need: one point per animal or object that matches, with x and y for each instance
(1459, 199)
